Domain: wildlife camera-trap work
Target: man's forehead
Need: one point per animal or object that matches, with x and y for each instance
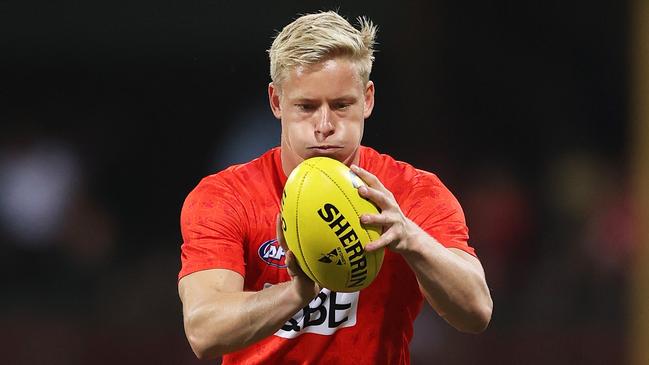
(341, 77)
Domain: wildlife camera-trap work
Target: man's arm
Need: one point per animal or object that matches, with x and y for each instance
(452, 280)
(220, 317)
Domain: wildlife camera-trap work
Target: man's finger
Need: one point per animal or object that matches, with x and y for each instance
(367, 176)
(291, 264)
(376, 196)
(375, 219)
(279, 232)
(386, 238)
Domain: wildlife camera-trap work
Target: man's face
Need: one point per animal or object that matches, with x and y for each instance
(323, 109)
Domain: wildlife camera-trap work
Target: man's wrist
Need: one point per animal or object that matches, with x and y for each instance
(300, 293)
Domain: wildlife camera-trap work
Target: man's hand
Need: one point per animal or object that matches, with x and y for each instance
(305, 288)
(451, 280)
(397, 228)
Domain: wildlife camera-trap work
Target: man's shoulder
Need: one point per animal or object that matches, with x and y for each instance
(396, 171)
(238, 178)
(250, 171)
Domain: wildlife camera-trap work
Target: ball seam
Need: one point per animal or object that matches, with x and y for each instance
(297, 229)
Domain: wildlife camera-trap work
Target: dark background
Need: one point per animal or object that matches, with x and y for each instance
(111, 113)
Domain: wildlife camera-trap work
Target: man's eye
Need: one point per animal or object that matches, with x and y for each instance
(305, 107)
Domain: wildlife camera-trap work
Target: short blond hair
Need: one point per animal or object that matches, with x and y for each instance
(313, 38)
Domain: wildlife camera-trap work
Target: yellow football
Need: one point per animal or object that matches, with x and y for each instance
(320, 210)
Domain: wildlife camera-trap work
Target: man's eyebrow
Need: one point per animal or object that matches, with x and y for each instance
(346, 98)
(305, 99)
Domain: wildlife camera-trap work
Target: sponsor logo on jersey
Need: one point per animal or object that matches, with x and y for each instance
(326, 314)
(272, 253)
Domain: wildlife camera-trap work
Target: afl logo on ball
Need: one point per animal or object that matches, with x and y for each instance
(272, 253)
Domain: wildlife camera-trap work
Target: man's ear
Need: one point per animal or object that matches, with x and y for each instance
(369, 99)
(273, 99)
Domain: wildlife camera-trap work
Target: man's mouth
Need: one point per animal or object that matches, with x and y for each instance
(324, 150)
(324, 147)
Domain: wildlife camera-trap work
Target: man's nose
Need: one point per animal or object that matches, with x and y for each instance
(324, 125)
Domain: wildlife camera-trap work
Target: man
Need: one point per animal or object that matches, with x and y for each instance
(244, 296)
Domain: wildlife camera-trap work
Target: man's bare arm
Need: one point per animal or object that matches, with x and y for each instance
(453, 283)
(452, 280)
(220, 317)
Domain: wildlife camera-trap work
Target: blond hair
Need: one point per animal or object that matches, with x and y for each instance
(313, 38)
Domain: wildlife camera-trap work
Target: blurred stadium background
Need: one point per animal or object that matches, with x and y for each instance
(111, 113)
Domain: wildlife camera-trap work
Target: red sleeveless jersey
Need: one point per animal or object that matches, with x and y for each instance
(228, 222)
